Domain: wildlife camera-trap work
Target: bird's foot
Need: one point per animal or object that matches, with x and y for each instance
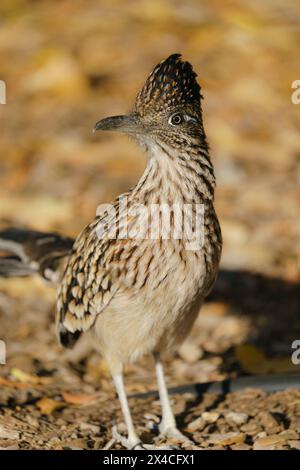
(133, 443)
(136, 444)
(172, 432)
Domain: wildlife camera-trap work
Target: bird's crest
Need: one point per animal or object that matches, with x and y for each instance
(171, 84)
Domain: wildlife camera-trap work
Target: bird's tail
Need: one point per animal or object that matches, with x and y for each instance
(28, 252)
(11, 266)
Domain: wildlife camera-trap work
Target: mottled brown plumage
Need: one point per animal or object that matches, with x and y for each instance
(140, 296)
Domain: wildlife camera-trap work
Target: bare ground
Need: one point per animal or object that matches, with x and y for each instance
(52, 399)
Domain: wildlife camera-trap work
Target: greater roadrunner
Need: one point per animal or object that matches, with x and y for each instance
(32, 252)
(137, 295)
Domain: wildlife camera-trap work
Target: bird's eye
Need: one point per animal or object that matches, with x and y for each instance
(176, 119)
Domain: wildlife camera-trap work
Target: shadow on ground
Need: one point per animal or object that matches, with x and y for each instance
(271, 303)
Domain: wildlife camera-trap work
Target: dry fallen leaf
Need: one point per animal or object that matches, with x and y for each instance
(78, 398)
(250, 358)
(254, 361)
(47, 405)
(12, 384)
(24, 377)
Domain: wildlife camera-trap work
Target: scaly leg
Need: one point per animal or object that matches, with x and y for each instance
(167, 427)
(132, 440)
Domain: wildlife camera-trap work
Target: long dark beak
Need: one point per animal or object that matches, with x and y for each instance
(127, 123)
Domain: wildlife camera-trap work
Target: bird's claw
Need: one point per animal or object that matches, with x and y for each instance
(174, 433)
(130, 444)
(135, 444)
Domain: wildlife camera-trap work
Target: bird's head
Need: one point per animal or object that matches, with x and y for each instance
(167, 109)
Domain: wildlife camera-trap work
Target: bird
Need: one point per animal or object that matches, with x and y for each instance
(128, 280)
(29, 252)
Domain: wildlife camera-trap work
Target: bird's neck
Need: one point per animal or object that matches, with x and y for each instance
(176, 174)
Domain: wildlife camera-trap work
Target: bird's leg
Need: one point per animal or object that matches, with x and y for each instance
(167, 427)
(132, 441)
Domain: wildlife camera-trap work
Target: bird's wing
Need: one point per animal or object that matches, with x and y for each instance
(33, 253)
(90, 280)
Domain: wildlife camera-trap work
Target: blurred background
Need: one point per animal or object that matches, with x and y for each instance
(66, 65)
